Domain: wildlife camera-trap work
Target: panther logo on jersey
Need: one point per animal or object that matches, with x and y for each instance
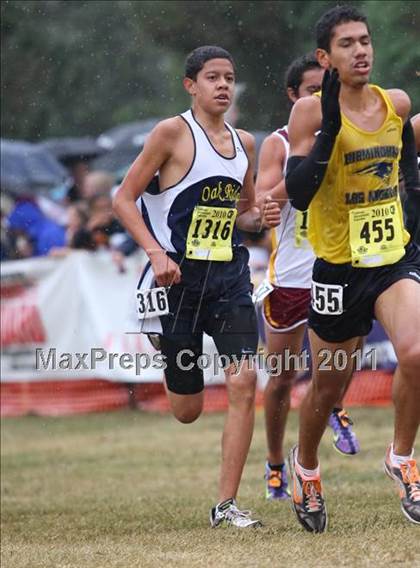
(382, 170)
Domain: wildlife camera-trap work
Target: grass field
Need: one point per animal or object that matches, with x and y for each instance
(131, 489)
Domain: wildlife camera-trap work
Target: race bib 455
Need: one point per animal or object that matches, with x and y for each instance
(376, 235)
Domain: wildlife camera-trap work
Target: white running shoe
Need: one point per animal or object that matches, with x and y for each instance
(227, 513)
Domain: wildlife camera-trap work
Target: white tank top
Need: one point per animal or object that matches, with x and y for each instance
(212, 180)
(292, 258)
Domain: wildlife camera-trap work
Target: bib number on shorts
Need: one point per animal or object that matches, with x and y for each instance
(301, 229)
(376, 235)
(327, 299)
(210, 233)
(263, 290)
(152, 303)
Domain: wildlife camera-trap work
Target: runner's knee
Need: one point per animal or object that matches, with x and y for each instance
(282, 381)
(187, 415)
(188, 409)
(241, 387)
(328, 389)
(408, 355)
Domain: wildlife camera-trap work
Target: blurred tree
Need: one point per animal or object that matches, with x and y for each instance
(263, 37)
(79, 67)
(395, 30)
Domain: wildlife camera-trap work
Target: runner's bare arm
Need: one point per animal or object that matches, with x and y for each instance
(157, 150)
(408, 159)
(408, 164)
(415, 121)
(401, 102)
(251, 217)
(270, 171)
(304, 122)
(310, 155)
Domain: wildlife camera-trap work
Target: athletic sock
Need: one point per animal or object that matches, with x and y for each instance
(277, 467)
(397, 460)
(307, 474)
(225, 504)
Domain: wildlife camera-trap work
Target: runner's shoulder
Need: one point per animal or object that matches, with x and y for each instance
(311, 103)
(306, 114)
(247, 139)
(273, 145)
(401, 102)
(168, 130)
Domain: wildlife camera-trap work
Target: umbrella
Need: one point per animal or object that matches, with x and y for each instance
(118, 160)
(124, 143)
(129, 139)
(68, 150)
(131, 133)
(27, 168)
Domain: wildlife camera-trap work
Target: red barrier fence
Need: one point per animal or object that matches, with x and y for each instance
(60, 398)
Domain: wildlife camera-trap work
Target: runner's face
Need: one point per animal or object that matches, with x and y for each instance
(311, 82)
(214, 86)
(351, 53)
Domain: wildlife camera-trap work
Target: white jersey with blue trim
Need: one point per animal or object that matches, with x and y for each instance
(213, 180)
(292, 259)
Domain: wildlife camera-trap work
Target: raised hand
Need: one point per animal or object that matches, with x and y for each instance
(331, 116)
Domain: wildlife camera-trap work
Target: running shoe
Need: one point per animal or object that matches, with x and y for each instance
(407, 479)
(307, 499)
(228, 514)
(345, 440)
(276, 487)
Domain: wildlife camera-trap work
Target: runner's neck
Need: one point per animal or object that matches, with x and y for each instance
(357, 99)
(212, 124)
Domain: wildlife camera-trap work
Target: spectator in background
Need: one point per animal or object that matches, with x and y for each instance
(97, 183)
(92, 226)
(28, 222)
(79, 170)
(77, 234)
(7, 244)
(105, 229)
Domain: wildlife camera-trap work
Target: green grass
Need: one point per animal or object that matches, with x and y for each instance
(130, 489)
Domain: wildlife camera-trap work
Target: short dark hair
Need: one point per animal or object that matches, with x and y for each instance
(197, 58)
(339, 15)
(294, 73)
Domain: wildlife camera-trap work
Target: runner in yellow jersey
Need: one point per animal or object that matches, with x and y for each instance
(285, 309)
(367, 266)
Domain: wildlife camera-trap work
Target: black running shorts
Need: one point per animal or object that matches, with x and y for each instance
(343, 297)
(215, 298)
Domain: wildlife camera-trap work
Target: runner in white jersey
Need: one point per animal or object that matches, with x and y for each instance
(198, 278)
(285, 309)
(289, 240)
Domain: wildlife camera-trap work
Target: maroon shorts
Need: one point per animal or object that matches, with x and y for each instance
(286, 308)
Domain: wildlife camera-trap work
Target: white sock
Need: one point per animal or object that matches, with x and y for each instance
(308, 473)
(398, 460)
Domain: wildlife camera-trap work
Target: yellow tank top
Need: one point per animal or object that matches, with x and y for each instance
(356, 214)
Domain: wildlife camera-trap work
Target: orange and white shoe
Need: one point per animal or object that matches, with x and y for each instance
(407, 479)
(307, 498)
